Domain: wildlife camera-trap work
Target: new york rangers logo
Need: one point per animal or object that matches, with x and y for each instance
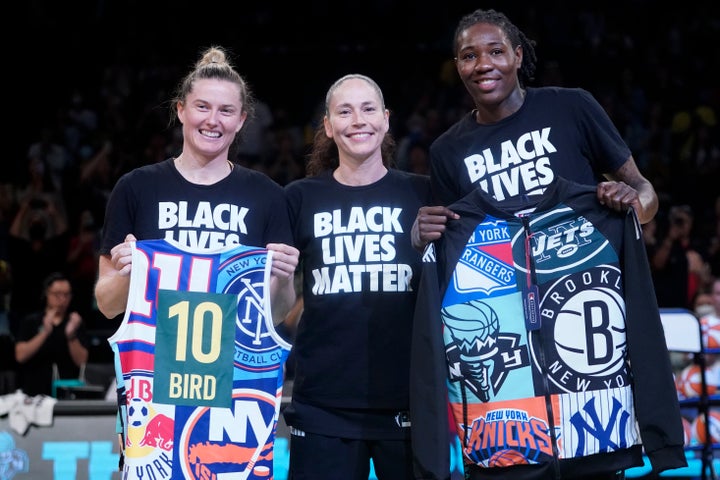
(486, 264)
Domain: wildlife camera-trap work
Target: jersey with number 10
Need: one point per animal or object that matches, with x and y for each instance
(200, 363)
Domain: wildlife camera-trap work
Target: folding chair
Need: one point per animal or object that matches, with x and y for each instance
(683, 333)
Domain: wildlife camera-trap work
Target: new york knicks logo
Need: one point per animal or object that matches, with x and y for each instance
(502, 437)
(585, 311)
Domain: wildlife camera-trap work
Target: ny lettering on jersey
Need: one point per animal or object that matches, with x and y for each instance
(200, 363)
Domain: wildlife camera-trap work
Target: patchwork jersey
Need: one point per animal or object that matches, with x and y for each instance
(199, 364)
(543, 333)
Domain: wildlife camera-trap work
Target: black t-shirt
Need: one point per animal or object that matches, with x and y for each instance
(36, 375)
(556, 132)
(360, 274)
(156, 201)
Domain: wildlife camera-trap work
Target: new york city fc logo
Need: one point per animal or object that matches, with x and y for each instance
(256, 347)
(585, 311)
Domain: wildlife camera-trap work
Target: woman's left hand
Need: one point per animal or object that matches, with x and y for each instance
(73, 324)
(285, 259)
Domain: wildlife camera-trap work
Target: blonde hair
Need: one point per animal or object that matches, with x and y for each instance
(213, 64)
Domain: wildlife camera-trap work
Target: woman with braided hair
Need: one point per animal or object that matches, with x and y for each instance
(519, 138)
(545, 372)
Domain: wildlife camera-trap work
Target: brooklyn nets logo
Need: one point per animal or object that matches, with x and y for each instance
(586, 314)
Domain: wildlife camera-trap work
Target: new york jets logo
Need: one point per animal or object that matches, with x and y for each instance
(561, 242)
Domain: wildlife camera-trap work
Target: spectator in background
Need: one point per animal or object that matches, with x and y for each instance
(81, 124)
(253, 145)
(50, 157)
(40, 187)
(6, 202)
(710, 318)
(8, 365)
(418, 160)
(415, 133)
(649, 233)
(37, 245)
(283, 162)
(704, 303)
(82, 262)
(697, 155)
(679, 271)
(51, 343)
(713, 246)
(96, 177)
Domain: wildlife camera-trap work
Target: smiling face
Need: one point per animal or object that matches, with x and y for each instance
(211, 116)
(488, 66)
(357, 120)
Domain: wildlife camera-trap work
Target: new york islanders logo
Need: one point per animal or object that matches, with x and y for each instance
(585, 311)
(233, 443)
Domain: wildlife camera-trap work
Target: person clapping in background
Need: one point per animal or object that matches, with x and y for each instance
(51, 338)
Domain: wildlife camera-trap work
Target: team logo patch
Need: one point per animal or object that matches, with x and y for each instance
(256, 348)
(486, 264)
(478, 353)
(562, 245)
(596, 422)
(508, 433)
(243, 433)
(585, 312)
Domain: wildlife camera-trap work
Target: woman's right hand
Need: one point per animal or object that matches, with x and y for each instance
(430, 225)
(113, 284)
(121, 256)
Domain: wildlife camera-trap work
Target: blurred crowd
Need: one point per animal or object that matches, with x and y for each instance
(653, 78)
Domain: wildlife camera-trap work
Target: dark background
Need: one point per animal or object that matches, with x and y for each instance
(290, 54)
(650, 67)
